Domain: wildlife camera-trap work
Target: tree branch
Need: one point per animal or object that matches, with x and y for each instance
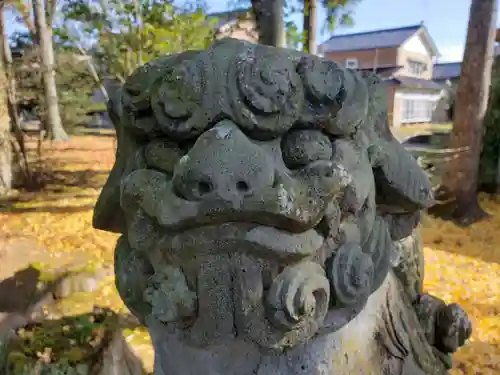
(50, 10)
(25, 10)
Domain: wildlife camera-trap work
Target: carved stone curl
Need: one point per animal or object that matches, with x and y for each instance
(177, 100)
(299, 297)
(446, 327)
(263, 205)
(267, 94)
(350, 272)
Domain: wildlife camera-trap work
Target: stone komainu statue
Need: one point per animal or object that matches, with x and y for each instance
(268, 219)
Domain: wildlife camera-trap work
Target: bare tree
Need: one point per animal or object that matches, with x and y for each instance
(460, 178)
(12, 123)
(5, 145)
(55, 130)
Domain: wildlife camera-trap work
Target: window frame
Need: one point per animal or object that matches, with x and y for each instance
(351, 60)
(414, 110)
(416, 67)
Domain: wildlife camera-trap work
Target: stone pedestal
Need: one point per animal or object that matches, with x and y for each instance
(268, 219)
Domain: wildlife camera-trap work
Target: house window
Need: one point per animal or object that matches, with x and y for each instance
(416, 110)
(416, 68)
(351, 63)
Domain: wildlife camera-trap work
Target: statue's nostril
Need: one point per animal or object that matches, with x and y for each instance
(204, 187)
(242, 186)
(224, 164)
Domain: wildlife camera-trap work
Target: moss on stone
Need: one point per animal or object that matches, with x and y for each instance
(67, 342)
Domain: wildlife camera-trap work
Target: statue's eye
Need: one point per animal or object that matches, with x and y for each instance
(301, 147)
(162, 155)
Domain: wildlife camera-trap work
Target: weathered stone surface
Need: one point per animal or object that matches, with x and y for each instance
(268, 219)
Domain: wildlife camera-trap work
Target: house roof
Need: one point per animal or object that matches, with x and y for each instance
(446, 71)
(385, 38)
(416, 83)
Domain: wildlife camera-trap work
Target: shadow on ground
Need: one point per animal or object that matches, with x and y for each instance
(96, 132)
(50, 209)
(460, 248)
(84, 149)
(23, 297)
(18, 291)
(85, 178)
(478, 240)
(52, 187)
(31, 196)
(24, 289)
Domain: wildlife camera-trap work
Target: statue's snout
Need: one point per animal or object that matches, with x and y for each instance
(225, 164)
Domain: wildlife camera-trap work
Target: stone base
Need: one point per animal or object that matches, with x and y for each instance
(384, 338)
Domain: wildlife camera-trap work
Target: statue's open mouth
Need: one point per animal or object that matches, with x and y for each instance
(267, 241)
(266, 233)
(282, 221)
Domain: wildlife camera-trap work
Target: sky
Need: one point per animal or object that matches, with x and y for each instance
(446, 20)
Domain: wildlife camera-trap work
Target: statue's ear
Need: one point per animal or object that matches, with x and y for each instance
(108, 214)
(135, 123)
(402, 186)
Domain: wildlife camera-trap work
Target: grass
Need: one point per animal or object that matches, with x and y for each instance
(408, 131)
(462, 265)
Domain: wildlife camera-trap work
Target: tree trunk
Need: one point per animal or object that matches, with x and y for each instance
(5, 146)
(140, 32)
(14, 123)
(270, 20)
(26, 15)
(55, 130)
(5, 152)
(461, 176)
(310, 26)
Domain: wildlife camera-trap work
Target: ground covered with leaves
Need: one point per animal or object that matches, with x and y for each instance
(72, 339)
(462, 265)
